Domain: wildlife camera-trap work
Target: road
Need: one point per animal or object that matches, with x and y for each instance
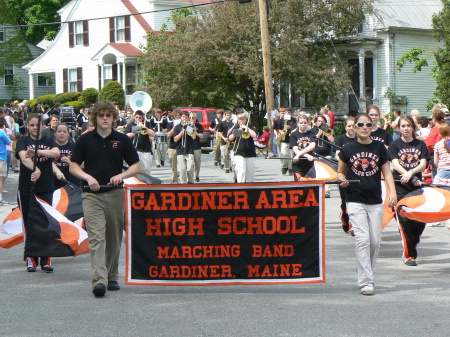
(409, 301)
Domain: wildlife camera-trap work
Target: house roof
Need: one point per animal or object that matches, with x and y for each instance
(126, 49)
(139, 18)
(415, 14)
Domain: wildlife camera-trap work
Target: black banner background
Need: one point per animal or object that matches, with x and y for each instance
(299, 237)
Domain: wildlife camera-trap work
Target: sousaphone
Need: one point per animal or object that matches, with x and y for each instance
(140, 100)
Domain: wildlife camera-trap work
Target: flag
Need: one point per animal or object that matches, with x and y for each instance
(49, 233)
(142, 179)
(389, 212)
(428, 204)
(322, 170)
(66, 200)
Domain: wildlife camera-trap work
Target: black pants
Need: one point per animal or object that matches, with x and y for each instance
(410, 231)
(23, 199)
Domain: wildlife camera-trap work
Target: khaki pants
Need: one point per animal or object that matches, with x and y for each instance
(185, 164)
(197, 162)
(145, 159)
(104, 216)
(173, 165)
(225, 151)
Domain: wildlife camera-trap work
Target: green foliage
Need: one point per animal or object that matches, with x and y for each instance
(17, 85)
(32, 103)
(389, 93)
(214, 58)
(66, 97)
(47, 99)
(89, 95)
(339, 129)
(416, 56)
(77, 105)
(24, 12)
(114, 92)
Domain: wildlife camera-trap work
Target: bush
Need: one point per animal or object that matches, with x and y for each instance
(32, 103)
(89, 95)
(114, 92)
(77, 105)
(67, 97)
(47, 99)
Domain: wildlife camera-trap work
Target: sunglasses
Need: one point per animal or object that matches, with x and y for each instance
(103, 115)
(361, 125)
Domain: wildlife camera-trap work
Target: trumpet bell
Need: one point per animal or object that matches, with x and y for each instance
(140, 100)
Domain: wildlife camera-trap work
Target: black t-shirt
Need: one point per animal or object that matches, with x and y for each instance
(141, 142)
(343, 139)
(364, 164)
(382, 135)
(45, 181)
(158, 125)
(66, 151)
(223, 127)
(322, 147)
(103, 157)
(186, 144)
(197, 141)
(244, 147)
(172, 143)
(409, 156)
(302, 141)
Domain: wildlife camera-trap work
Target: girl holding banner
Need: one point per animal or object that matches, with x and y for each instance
(365, 160)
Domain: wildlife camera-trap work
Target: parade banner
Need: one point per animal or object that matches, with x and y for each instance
(219, 234)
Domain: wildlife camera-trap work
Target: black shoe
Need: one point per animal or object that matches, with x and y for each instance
(99, 290)
(290, 172)
(31, 269)
(197, 179)
(47, 269)
(113, 285)
(216, 163)
(162, 162)
(227, 171)
(158, 165)
(284, 170)
(221, 166)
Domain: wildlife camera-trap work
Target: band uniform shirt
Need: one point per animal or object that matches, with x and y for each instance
(364, 162)
(223, 127)
(158, 124)
(186, 144)
(245, 147)
(45, 181)
(279, 125)
(322, 147)
(103, 157)
(302, 141)
(197, 141)
(141, 142)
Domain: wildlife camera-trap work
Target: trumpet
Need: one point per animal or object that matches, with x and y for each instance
(327, 131)
(194, 129)
(143, 130)
(245, 133)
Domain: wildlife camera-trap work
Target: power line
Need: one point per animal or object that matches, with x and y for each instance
(116, 16)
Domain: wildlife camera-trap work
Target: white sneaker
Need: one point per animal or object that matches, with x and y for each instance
(435, 224)
(367, 290)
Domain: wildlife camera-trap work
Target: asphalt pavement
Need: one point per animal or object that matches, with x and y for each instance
(408, 301)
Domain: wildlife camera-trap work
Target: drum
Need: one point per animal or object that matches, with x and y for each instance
(161, 138)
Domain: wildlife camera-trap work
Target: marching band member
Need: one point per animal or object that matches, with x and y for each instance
(184, 136)
(173, 145)
(142, 135)
(103, 151)
(213, 128)
(283, 128)
(197, 145)
(159, 124)
(222, 132)
(378, 134)
(302, 142)
(409, 158)
(244, 150)
(122, 121)
(323, 147)
(365, 160)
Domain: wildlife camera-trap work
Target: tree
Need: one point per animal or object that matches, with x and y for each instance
(214, 57)
(419, 56)
(113, 91)
(25, 12)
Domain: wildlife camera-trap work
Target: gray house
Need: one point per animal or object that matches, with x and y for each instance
(394, 27)
(12, 69)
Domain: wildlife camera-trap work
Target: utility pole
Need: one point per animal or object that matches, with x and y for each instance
(266, 61)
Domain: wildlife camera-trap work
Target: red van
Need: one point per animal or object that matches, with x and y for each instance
(204, 116)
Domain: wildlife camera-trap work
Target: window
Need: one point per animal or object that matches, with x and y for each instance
(120, 29)
(73, 80)
(79, 33)
(2, 32)
(9, 74)
(42, 80)
(107, 73)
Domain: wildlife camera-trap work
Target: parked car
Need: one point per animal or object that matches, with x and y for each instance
(204, 116)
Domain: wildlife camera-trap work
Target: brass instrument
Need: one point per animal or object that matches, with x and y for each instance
(327, 131)
(192, 125)
(217, 143)
(245, 133)
(281, 137)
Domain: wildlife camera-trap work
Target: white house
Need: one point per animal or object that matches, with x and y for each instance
(100, 41)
